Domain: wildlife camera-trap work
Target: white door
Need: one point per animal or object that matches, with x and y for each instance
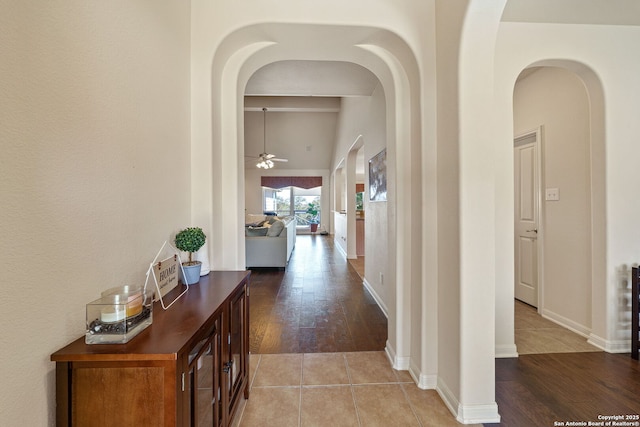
(526, 218)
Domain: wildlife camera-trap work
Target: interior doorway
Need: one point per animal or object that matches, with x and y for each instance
(526, 161)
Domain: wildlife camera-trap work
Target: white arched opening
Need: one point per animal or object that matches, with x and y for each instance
(218, 183)
(351, 196)
(599, 300)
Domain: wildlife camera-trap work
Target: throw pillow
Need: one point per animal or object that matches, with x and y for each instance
(253, 218)
(256, 231)
(275, 229)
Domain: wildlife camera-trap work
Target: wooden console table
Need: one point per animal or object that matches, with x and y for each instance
(189, 368)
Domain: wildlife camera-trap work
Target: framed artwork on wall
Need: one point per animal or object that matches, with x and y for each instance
(378, 177)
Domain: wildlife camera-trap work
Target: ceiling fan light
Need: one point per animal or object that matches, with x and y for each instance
(265, 158)
(264, 164)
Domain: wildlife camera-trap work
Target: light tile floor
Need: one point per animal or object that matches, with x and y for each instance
(337, 389)
(361, 388)
(535, 335)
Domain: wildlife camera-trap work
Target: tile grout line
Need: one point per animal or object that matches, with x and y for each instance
(406, 396)
(255, 372)
(300, 390)
(353, 393)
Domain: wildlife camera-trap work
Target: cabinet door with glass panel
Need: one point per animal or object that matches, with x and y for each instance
(205, 380)
(236, 367)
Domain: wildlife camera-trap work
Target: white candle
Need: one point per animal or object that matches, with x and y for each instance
(112, 313)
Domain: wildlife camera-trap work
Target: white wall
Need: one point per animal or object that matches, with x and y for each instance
(447, 206)
(94, 173)
(340, 231)
(366, 117)
(556, 99)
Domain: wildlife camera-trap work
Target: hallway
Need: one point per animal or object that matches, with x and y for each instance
(316, 305)
(317, 340)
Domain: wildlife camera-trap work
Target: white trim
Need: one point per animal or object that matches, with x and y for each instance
(424, 382)
(390, 352)
(617, 346)
(337, 245)
(447, 397)
(376, 297)
(402, 363)
(566, 322)
(504, 351)
(478, 414)
(397, 363)
(467, 414)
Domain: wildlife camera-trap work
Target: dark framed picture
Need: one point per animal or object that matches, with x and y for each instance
(378, 177)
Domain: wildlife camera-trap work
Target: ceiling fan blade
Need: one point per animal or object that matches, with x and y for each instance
(275, 159)
(269, 156)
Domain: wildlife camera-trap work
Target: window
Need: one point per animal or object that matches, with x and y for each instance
(278, 201)
(293, 201)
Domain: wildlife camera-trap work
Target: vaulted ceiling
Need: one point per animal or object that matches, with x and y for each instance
(303, 97)
(303, 101)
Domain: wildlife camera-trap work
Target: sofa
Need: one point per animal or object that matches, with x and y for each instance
(271, 247)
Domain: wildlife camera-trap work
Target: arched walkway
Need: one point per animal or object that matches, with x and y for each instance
(507, 73)
(236, 59)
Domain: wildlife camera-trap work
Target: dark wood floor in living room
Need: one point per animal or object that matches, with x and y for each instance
(318, 304)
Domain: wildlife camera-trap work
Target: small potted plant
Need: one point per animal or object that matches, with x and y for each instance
(312, 210)
(191, 240)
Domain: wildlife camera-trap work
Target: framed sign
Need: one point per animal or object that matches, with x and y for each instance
(378, 177)
(165, 275)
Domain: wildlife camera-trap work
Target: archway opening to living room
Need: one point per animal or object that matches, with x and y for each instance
(309, 133)
(218, 146)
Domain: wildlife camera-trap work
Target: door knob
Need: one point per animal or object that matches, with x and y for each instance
(535, 230)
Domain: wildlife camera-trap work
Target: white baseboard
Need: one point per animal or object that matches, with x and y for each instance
(402, 363)
(423, 381)
(377, 298)
(447, 397)
(468, 414)
(397, 362)
(340, 248)
(478, 414)
(616, 346)
(610, 346)
(504, 351)
(567, 323)
(391, 353)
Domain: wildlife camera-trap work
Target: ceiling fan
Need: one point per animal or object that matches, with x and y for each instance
(265, 160)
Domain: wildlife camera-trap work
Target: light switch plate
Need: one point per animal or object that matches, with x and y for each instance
(552, 194)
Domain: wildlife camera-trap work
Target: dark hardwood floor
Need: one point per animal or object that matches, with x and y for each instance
(544, 389)
(318, 304)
